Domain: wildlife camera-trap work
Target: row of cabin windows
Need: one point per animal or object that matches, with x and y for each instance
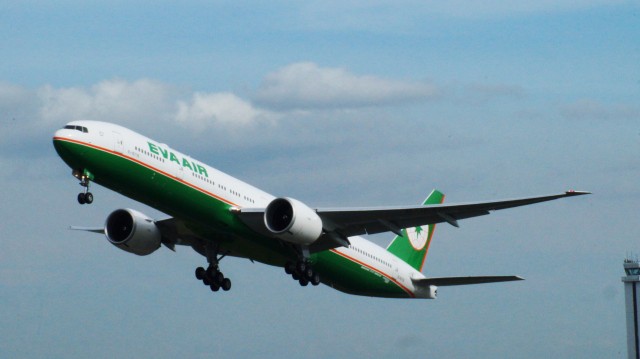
(149, 154)
(370, 256)
(77, 128)
(202, 178)
(240, 195)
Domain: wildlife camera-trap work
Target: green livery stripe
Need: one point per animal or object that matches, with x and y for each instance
(204, 212)
(352, 276)
(208, 215)
(144, 164)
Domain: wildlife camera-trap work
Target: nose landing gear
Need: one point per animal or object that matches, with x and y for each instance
(85, 179)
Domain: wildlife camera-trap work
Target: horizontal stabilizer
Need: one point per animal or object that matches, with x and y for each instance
(447, 281)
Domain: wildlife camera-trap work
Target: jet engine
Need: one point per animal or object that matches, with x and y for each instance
(132, 231)
(292, 221)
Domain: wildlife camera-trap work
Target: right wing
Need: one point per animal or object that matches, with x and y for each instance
(357, 221)
(340, 223)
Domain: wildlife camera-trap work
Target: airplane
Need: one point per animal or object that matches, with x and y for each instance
(218, 215)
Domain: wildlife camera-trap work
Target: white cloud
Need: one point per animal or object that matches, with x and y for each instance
(223, 108)
(109, 100)
(305, 85)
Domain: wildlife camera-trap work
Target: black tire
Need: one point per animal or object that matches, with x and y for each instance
(88, 197)
(218, 278)
(308, 273)
(226, 284)
(295, 275)
(81, 198)
(200, 273)
(211, 272)
(214, 287)
(289, 267)
(316, 279)
(303, 282)
(300, 266)
(206, 280)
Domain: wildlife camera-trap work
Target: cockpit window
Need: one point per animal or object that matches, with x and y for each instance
(77, 128)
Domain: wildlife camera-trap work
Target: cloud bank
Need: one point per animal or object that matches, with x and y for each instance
(300, 86)
(306, 85)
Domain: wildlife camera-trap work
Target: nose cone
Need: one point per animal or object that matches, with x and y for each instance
(60, 144)
(64, 147)
(59, 134)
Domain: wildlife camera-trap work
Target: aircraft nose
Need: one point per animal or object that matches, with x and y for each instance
(58, 133)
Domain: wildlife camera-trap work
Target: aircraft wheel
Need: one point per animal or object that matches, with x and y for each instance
(214, 287)
(88, 197)
(218, 278)
(295, 275)
(226, 284)
(300, 266)
(81, 198)
(303, 282)
(316, 279)
(200, 273)
(308, 273)
(289, 268)
(206, 281)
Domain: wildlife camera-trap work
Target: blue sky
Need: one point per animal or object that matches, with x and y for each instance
(335, 104)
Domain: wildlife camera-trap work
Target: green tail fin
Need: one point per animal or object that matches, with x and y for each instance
(413, 246)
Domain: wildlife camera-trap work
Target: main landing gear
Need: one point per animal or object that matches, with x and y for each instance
(86, 196)
(212, 276)
(303, 272)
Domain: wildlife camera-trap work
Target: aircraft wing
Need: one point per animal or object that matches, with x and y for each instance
(172, 231)
(357, 221)
(449, 281)
(341, 223)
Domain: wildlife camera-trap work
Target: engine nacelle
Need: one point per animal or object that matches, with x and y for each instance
(132, 231)
(292, 221)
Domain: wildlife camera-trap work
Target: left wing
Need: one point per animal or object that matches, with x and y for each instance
(174, 231)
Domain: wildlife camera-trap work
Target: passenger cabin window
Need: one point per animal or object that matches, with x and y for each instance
(77, 128)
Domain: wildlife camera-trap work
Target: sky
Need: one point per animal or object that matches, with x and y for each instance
(362, 103)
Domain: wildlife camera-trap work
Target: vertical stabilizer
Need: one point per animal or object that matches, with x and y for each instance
(413, 246)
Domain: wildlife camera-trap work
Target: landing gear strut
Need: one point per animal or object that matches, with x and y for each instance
(212, 276)
(86, 196)
(303, 272)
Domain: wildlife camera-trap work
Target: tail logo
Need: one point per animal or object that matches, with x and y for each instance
(418, 237)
